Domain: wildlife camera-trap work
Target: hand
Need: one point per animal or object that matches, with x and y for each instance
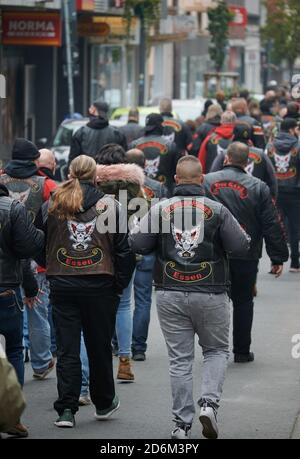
(277, 270)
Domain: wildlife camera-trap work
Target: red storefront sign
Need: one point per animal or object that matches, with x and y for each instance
(240, 16)
(25, 28)
(85, 5)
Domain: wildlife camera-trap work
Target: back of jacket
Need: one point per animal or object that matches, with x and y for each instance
(284, 153)
(161, 159)
(249, 200)
(28, 191)
(259, 166)
(179, 131)
(10, 266)
(192, 237)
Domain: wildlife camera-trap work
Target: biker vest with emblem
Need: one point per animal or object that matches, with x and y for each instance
(10, 269)
(76, 247)
(256, 164)
(190, 255)
(28, 191)
(287, 166)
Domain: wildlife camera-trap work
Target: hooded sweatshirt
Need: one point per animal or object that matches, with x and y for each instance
(284, 152)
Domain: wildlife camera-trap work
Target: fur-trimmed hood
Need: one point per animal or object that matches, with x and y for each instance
(130, 173)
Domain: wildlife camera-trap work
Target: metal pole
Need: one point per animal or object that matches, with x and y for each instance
(69, 57)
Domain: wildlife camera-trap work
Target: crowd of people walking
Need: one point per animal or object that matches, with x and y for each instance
(185, 207)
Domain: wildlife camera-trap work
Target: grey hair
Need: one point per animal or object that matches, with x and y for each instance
(228, 117)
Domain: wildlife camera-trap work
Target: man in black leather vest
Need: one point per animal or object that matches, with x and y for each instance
(249, 200)
(192, 236)
(19, 239)
(26, 184)
(284, 153)
(174, 128)
(259, 165)
(160, 153)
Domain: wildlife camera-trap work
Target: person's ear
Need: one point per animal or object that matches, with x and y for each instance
(226, 161)
(176, 179)
(201, 179)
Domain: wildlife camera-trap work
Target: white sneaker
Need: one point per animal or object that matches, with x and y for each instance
(209, 423)
(84, 400)
(181, 432)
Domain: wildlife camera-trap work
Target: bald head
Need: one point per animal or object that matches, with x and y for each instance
(189, 171)
(237, 155)
(47, 159)
(240, 107)
(136, 156)
(165, 105)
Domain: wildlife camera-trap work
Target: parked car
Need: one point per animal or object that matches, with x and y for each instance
(61, 145)
(121, 114)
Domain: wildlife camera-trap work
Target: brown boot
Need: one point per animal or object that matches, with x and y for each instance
(125, 371)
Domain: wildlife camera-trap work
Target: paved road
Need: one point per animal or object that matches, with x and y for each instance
(261, 400)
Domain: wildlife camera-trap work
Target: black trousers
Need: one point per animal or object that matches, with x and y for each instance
(96, 316)
(243, 279)
(289, 205)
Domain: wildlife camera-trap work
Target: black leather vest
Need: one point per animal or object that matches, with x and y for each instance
(76, 247)
(241, 194)
(10, 268)
(190, 256)
(256, 163)
(28, 191)
(287, 166)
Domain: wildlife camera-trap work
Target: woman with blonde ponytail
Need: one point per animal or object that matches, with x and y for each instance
(87, 270)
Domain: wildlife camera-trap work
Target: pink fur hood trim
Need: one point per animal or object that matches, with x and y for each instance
(116, 172)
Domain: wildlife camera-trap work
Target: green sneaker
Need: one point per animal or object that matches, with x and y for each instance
(102, 415)
(66, 420)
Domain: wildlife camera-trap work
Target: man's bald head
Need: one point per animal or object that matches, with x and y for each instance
(47, 159)
(189, 171)
(136, 156)
(240, 107)
(165, 105)
(237, 155)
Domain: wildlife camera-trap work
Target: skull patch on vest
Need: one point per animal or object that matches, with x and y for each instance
(186, 241)
(152, 166)
(20, 196)
(81, 233)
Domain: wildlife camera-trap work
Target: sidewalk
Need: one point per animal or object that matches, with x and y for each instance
(261, 400)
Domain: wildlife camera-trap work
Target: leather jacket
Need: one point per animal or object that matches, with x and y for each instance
(249, 200)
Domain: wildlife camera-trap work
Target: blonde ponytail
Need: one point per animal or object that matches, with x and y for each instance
(67, 199)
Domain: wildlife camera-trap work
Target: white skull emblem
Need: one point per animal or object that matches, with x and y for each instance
(152, 166)
(81, 233)
(186, 241)
(282, 163)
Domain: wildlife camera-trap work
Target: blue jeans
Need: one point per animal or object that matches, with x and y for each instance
(124, 322)
(85, 369)
(39, 328)
(11, 327)
(143, 298)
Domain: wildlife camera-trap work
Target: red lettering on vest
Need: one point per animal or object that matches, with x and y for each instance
(235, 186)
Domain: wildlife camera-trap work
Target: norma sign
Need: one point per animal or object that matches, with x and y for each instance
(24, 28)
(240, 16)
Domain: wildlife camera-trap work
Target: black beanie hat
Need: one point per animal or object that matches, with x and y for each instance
(242, 133)
(25, 150)
(154, 121)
